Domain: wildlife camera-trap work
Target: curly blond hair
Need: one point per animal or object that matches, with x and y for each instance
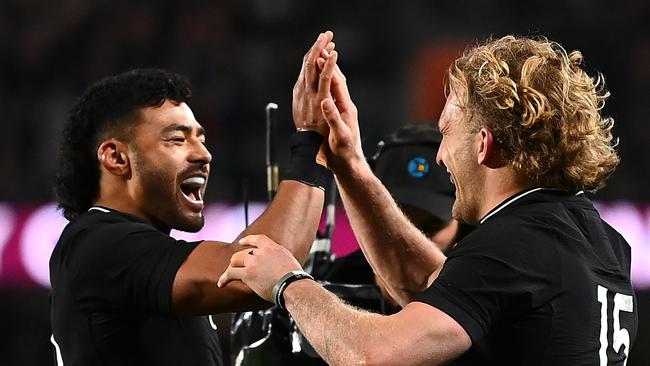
(543, 109)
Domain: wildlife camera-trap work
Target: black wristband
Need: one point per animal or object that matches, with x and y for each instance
(278, 290)
(303, 167)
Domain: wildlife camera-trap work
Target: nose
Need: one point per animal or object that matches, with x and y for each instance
(439, 154)
(200, 153)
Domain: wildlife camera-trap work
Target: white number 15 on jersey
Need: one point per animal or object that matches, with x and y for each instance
(620, 336)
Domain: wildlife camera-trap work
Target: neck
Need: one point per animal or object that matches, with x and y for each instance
(499, 186)
(117, 196)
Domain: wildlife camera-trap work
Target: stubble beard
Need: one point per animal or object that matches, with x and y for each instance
(465, 208)
(160, 196)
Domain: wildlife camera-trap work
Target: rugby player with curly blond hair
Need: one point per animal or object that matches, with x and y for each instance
(541, 280)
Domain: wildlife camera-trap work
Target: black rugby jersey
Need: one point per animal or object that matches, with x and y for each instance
(111, 299)
(543, 280)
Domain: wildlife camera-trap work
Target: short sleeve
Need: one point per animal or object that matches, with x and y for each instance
(126, 264)
(472, 290)
(496, 274)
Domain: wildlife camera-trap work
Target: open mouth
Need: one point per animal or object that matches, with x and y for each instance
(451, 178)
(191, 188)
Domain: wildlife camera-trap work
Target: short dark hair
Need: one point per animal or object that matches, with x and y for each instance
(109, 106)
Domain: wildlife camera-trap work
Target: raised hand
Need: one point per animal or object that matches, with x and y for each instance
(344, 141)
(306, 101)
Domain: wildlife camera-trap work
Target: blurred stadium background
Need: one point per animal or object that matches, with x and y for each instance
(240, 55)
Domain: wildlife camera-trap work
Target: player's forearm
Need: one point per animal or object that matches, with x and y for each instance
(292, 218)
(341, 334)
(396, 249)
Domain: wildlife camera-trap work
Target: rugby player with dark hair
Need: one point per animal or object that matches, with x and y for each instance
(133, 166)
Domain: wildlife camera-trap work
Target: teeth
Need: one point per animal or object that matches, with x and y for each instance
(199, 181)
(451, 178)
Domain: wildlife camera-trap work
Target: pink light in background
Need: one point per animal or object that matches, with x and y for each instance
(223, 222)
(28, 235)
(39, 236)
(634, 224)
(7, 222)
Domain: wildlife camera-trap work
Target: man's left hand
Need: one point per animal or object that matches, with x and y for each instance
(260, 265)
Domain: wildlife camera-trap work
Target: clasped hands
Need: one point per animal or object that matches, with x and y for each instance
(321, 102)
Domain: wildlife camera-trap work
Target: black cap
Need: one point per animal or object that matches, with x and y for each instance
(405, 162)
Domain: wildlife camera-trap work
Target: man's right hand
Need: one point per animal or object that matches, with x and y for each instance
(344, 152)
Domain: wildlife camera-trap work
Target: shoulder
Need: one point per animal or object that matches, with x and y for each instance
(528, 234)
(104, 235)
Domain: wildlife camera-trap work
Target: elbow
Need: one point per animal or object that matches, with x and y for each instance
(368, 356)
(375, 358)
(402, 292)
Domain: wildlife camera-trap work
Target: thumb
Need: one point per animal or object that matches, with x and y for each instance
(231, 274)
(223, 280)
(331, 114)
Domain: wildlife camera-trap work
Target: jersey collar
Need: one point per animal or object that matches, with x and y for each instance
(99, 208)
(128, 216)
(515, 198)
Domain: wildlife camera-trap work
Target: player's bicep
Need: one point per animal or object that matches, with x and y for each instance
(195, 288)
(424, 335)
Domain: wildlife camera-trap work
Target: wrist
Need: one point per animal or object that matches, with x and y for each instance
(353, 168)
(304, 167)
(277, 294)
(293, 291)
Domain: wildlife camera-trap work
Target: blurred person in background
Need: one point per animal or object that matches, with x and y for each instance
(133, 166)
(541, 280)
(405, 163)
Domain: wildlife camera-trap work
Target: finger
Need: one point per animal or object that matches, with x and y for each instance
(327, 50)
(332, 115)
(301, 75)
(254, 241)
(340, 90)
(231, 274)
(326, 75)
(239, 259)
(320, 62)
(311, 73)
(310, 61)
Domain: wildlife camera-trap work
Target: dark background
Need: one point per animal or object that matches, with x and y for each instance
(239, 55)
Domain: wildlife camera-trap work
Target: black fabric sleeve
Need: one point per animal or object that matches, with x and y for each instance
(127, 265)
(496, 273)
(473, 291)
(150, 278)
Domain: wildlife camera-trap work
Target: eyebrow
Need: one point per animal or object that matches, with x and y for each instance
(183, 128)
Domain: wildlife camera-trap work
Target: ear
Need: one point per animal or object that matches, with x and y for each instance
(486, 146)
(113, 156)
